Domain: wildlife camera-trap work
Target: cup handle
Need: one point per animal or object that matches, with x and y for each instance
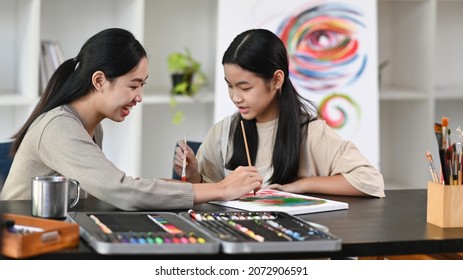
(77, 184)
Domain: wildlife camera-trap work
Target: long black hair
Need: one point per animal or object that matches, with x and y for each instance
(113, 51)
(261, 52)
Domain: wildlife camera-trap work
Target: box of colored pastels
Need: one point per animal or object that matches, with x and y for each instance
(142, 233)
(260, 232)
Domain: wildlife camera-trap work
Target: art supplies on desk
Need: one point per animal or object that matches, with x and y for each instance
(25, 236)
(445, 192)
(274, 200)
(142, 233)
(450, 154)
(201, 233)
(263, 232)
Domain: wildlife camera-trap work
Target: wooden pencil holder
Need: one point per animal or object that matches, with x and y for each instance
(445, 205)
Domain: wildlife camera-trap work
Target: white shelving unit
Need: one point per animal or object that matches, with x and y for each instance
(173, 25)
(421, 84)
(19, 36)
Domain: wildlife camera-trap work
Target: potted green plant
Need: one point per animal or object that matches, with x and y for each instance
(186, 73)
(187, 78)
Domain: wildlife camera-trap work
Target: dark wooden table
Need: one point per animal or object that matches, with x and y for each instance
(394, 225)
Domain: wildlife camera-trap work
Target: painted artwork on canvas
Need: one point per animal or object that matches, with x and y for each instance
(274, 200)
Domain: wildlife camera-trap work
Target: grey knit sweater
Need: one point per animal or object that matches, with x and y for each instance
(58, 144)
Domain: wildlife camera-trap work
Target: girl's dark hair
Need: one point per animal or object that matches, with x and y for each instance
(261, 52)
(113, 51)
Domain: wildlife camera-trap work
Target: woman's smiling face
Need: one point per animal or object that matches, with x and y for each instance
(120, 95)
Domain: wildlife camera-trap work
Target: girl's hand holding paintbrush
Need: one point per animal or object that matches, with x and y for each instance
(185, 162)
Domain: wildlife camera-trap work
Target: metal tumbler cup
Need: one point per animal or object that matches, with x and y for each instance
(51, 196)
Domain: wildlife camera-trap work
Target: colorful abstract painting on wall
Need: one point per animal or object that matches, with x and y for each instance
(323, 45)
(325, 53)
(339, 110)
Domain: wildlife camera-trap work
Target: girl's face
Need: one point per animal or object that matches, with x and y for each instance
(254, 98)
(120, 95)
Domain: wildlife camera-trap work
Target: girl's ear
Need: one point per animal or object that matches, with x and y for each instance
(278, 79)
(98, 80)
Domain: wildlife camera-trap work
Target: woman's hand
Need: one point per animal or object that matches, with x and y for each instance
(242, 180)
(191, 169)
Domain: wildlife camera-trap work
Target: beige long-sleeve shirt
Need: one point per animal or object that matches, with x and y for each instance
(58, 144)
(324, 153)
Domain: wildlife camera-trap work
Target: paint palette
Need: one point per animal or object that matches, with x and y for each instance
(142, 233)
(260, 232)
